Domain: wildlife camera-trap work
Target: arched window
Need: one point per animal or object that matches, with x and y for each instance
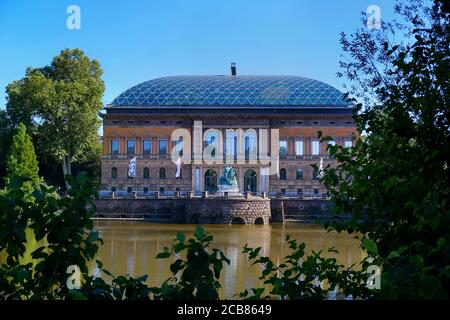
(250, 145)
(162, 173)
(211, 181)
(211, 140)
(283, 174)
(250, 181)
(114, 173)
(146, 174)
(179, 148)
(299, 174)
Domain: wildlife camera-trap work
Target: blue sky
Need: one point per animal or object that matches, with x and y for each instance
(139, 40)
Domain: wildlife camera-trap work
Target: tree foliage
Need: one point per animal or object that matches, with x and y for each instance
(63, 230)
(303, 276)
(21, 161)
(200, 271)
(5, 142)
(59, 104)
(395, 181)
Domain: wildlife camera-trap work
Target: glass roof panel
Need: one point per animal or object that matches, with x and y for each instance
(231, 91)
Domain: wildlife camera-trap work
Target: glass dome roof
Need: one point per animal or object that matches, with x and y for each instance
(229, 91)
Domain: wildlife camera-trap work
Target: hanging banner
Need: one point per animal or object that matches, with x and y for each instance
(132, 168)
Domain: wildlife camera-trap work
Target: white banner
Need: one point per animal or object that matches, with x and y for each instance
(178, 163)
(132, 168)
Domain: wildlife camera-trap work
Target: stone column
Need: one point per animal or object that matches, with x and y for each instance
(154, 141)
(106, 145)
(197, 152)
(307, 146)
(138, 146)
(122, 145)
(240, 173)
(291, 146)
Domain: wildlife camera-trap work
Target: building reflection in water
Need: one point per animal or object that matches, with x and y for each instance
(131, 248)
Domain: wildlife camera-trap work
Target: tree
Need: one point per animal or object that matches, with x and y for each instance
(5, 142)
(59, 104)
(395, 182)
(21, 161)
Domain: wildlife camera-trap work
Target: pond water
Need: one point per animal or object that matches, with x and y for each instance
(131, 248)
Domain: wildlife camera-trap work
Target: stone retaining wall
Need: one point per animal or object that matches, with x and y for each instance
(184, 210)
(228, 211)
(212, 210)
(157, 210)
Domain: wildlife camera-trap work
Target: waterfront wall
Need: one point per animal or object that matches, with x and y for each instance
(218, 210)
(187, 210)
(228, 211)
(157, 210)
(302, 210)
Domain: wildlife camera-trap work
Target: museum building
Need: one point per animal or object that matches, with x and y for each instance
(232, 116)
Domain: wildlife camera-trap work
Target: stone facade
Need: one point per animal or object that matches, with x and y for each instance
(157, 210)
(219, 210)
(252, 122)
(228, 211)
(137, 127)
(194, 210)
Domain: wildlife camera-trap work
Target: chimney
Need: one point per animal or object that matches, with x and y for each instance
(233, 69)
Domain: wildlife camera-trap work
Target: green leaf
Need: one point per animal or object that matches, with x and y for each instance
(39, 254)
(370, 246)
(199, 232)
(163, 255)
(176, 266)
(93, 236)
(393, 255)
(179, 247)
(417, 261)
(181, 237)
(77, 295)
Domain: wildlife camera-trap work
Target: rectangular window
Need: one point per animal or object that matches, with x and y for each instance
(113, 189)
(114, 146)
(298, 148)
(145, 190)
(283, 148)
(162, 147)
(299, 174)
(130, 146)
(348, 143)
(315, 148)
(147, 147)
(129, 190)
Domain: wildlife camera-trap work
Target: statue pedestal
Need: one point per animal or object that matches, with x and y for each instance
(232, 190)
